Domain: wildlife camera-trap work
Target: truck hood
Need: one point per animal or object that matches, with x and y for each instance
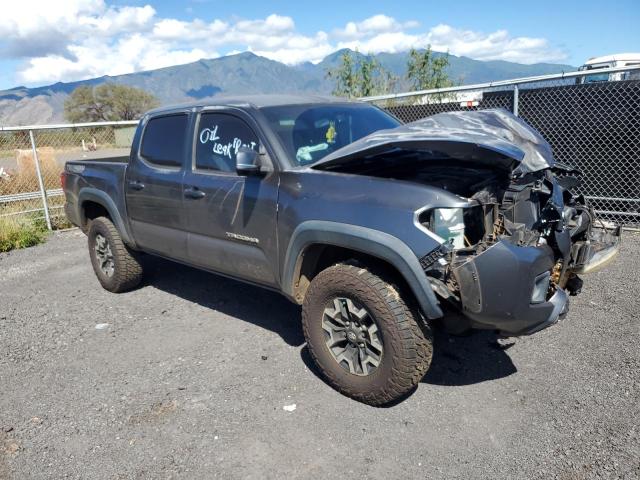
(495, 137)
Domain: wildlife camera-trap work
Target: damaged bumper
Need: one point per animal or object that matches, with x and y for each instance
(498, 289)
(518, 289)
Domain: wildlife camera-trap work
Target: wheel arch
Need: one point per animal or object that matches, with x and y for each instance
(90, 200)
(316, 244)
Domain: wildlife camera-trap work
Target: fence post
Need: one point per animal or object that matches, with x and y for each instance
(516, 98)
(43, 191)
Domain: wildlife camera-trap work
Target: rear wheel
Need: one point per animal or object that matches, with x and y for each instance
(116, 266)
(365, 339)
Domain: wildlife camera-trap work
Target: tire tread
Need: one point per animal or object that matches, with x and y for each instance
(411, 339)
(128, 270)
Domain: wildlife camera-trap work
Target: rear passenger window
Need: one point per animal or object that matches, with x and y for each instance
(219, 137)
(164, 140)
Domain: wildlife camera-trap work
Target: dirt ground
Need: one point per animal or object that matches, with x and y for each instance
(188, 377)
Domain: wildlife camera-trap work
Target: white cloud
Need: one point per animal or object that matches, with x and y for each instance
(270, 25)
(125, 19)
(36, 28)
(172, 29)
(386, 42)
(377, 24)
(297, 49)
(92, 59)
(20, 19)
(498, 45)
(77, 39)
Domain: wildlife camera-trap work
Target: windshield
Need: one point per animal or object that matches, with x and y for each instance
(311, 132)
(600, 77)
(596, 77)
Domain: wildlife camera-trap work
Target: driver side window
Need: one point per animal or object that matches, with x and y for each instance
(218, 139)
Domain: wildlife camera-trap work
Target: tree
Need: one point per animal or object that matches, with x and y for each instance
(81, 106)
(107, 102)
(361, 76)
(426, 70)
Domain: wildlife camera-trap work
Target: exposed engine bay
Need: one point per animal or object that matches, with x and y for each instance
(512, 248)
(512, 230)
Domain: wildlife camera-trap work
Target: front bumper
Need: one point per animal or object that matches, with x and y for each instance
(496, 288)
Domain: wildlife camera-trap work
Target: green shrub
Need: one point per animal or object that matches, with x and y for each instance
(21, 232)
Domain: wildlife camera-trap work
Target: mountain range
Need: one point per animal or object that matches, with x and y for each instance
(242, 73)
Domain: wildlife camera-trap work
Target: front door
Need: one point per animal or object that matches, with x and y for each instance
(154, 187)
(232, 218)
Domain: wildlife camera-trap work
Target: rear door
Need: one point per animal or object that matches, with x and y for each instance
(232, 218)
(154, 186)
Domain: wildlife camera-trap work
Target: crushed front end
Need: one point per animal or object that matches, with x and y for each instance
(513, 234)
(511, 259)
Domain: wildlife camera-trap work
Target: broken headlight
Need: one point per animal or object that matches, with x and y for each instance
(448, 223)
(457, 227)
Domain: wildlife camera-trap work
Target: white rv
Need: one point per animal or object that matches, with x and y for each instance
(608, 61)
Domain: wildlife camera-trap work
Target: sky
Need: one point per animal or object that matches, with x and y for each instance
(46, 41)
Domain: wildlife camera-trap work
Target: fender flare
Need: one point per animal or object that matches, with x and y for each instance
(98, 196)
(366, 240)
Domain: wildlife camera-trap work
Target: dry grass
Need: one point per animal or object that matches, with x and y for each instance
(22, 222)
(24, 179)
(28, 229)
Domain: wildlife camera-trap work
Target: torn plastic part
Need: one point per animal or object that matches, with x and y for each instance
(599, 260)
(600, 250)
(442, 289)
(434, 256)
(519, 234)
(541, 287)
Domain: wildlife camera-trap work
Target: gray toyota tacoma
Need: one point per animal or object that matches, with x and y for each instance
(380, 230)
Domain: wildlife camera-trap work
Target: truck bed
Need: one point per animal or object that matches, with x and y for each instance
(116, 155)
(95, 179)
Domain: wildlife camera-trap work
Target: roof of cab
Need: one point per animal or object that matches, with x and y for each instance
(252, 101)
(618, 57)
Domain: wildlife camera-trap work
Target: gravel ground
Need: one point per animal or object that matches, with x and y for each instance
(191, 374)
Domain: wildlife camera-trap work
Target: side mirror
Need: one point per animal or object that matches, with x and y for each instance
(247, 161)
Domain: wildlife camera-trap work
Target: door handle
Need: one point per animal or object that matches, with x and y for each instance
(194, 193)
(136, 185)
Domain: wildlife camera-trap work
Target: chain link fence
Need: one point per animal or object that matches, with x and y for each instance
(592, 126)
(32, 158)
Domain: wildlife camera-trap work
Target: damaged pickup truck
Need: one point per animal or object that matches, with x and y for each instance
(379, 230)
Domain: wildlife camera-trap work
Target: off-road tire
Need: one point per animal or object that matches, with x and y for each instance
(407, 341)
(127, 272)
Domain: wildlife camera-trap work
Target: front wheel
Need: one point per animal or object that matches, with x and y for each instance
(365, 339)
(116, 266)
